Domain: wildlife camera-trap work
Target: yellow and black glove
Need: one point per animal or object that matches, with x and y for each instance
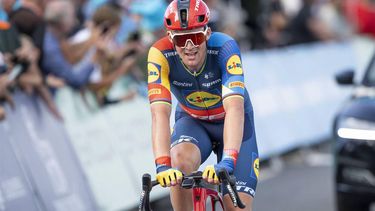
(165, 174)
(210, 174)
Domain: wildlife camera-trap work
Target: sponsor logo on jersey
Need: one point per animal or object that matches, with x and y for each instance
(169, 54)
(211, 83)
(214, 52)
(182, 84)
(153, 72)
(256, 167)
(234, 65)
(209, 75)
(235, 84)
(203, 99)
(154, 92)
(245, 189)
(184, 139)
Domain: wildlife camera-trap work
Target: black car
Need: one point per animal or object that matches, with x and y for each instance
(354, 132)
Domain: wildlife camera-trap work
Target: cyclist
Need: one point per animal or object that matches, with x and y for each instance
(203, 70)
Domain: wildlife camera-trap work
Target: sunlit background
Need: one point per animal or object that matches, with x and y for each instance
(75, 128)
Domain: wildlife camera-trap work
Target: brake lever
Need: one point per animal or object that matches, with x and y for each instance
(230, 183)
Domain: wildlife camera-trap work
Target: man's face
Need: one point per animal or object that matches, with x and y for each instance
(191, 46)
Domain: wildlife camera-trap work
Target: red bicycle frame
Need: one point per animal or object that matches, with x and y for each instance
(200, 196)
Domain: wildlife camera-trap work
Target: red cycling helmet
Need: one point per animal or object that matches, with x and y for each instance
(186, 14)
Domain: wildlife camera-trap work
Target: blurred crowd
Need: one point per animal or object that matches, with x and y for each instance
(89, 44)
(280, 23)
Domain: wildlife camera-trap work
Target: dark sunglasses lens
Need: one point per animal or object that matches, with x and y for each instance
(200, 38)
(197, 39)
(180, 40)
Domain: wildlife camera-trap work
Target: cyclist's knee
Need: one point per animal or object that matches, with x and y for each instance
(186, 157)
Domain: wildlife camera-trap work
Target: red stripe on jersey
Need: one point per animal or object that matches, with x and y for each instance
(157, 92)
(163, 44)
(210, 114)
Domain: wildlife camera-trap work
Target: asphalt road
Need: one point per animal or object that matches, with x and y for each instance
(298, 181)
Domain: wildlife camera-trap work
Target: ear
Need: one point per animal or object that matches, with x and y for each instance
(208, 35)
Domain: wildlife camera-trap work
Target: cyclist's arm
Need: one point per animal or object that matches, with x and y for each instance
(234, 122)
(160, 129)
(160, 99)
(233, 94)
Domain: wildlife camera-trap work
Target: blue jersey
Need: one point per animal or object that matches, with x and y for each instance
(200, 96)
(201, 93)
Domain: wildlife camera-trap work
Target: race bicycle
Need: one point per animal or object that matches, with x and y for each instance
(201, 191)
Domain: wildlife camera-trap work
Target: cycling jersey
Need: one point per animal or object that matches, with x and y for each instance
(200, 93)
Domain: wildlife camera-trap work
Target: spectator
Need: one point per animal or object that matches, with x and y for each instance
(27, 18)
(274, 27)
(331, 12)
(36, 6)
(254, 11)
(306, 26)
(32, 81)
(4, 84)
(60, 18)
(114, 60)
(361, 14)
(21, 58)
(8, 5)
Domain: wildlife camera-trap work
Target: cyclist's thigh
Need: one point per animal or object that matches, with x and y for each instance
(247, 167)
(189, 130)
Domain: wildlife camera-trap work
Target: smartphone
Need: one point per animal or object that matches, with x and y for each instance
(16, 71)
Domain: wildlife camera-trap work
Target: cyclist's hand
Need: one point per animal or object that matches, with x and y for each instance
(228, 162)
(165, 174)
(170, 177)
(209, 174)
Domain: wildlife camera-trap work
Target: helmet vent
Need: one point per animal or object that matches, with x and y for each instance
(183, 16)
(169, 22)
(201, 18)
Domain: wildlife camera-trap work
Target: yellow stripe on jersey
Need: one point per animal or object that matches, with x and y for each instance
(233, 96)
(156, 57)
(161, 102)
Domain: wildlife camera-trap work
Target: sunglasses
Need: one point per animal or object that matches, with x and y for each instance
(181, 39)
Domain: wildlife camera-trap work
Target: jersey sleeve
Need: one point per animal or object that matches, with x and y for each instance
(158, 77)
(232, 72)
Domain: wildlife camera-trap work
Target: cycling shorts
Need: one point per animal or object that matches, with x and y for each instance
(208, 137)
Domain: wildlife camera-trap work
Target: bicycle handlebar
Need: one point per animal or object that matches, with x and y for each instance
(229, 181)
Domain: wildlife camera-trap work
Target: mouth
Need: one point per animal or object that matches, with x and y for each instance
(191, 55)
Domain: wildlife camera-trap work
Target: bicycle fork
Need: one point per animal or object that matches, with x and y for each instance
(200, 196)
